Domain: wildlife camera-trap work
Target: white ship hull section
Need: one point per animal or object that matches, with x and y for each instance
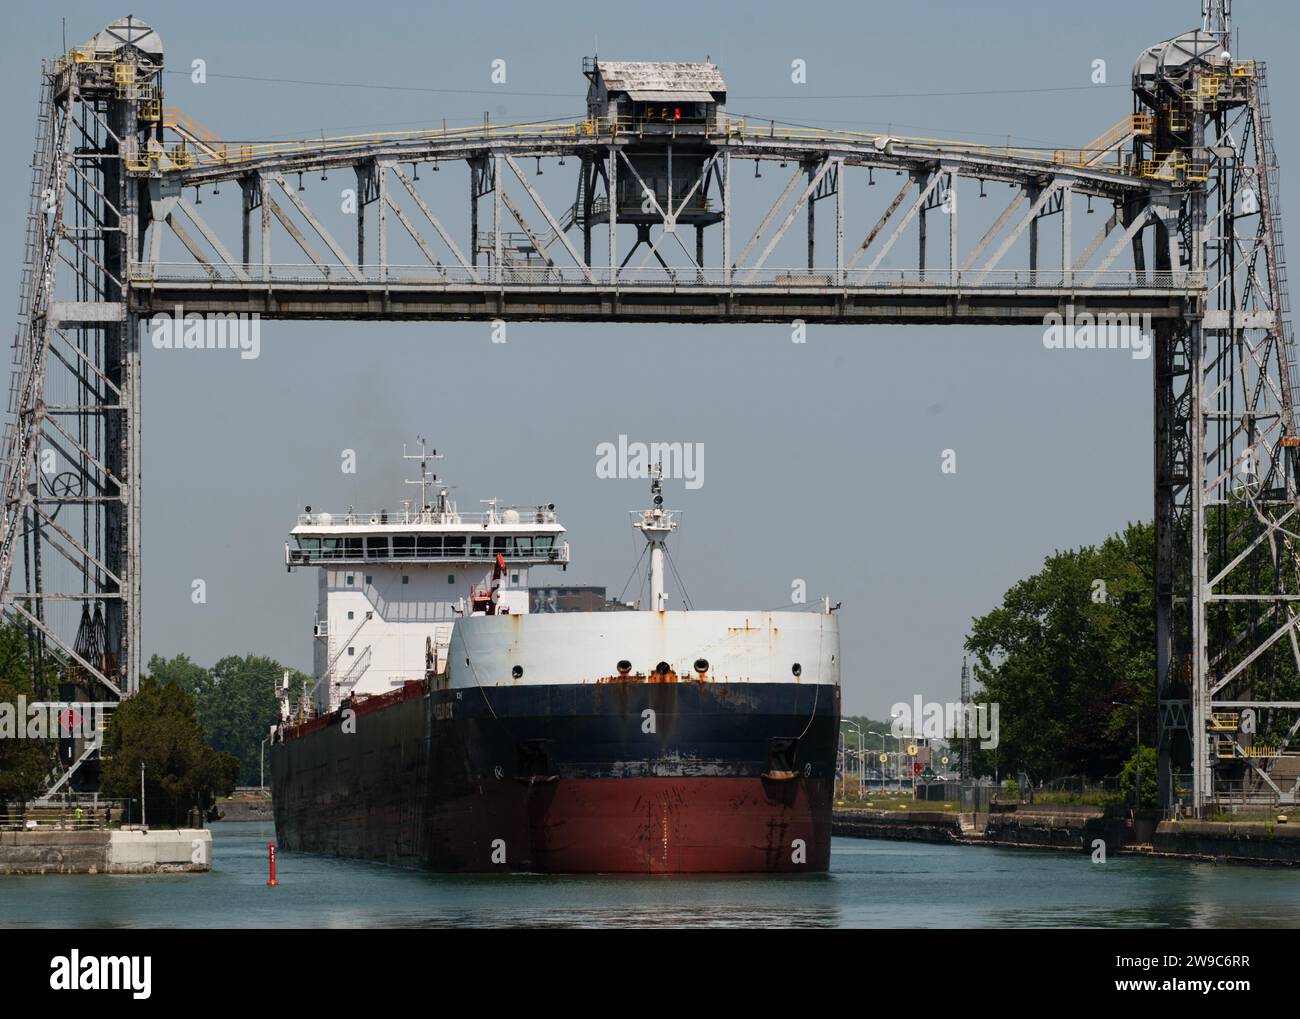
(586, 647)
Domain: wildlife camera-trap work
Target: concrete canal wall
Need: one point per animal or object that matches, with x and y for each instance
(1072, 828)
(910, 826)
(128, 851)
(251, 808)
(1229, 842)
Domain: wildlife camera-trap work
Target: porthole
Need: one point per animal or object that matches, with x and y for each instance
(797, 669)
(624, 667)
(701, 665)
(517, 672)
(663, 668)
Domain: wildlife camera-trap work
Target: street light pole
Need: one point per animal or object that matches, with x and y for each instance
(1137, 751)
(881, 735)
(854, 725)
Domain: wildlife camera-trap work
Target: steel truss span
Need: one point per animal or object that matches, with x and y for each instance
(1171, 215)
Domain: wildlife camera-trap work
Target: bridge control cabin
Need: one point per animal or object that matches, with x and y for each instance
(392, 584)
(666, 110)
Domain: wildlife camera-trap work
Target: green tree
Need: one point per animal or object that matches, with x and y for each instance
(1061, 649)
(159, 727)
(1150, 783)
(191, 676)
(236, 700)
(23, 762)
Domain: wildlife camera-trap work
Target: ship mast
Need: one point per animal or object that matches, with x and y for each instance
(425, 477)
(656, 524)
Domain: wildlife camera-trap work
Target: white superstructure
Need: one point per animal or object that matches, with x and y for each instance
(393, 583)
(428, 592)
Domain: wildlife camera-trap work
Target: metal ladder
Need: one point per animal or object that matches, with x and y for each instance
(1269, 181)
(36, 292)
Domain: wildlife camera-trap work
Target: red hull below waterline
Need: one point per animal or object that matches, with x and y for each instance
(647, 826)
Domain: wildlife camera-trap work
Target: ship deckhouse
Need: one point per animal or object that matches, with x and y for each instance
(393, 583)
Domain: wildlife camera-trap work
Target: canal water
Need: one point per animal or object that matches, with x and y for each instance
(871, 884)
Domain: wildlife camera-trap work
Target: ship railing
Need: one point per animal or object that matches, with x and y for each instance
(528, 516)
(303, 556)
(687, 277)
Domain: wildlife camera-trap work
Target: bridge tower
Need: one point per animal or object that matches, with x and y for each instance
(71, 481)
(1227, 572)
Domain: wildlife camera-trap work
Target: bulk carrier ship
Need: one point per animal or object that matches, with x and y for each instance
(452, 729)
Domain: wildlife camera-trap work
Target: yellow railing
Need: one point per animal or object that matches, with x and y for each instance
(1137, 123)
(205, 149)
(226, 152)
(84, 56)
(1176, 117)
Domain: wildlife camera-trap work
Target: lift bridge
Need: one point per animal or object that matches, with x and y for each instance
(1188, 232)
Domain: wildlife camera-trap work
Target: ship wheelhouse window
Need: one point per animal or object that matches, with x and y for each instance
(524, 545)
(403, 546)
(351, 549)
(478, 546)
(427, 546)
(501, 545)
(311, 546)
(454, 545)
(543, 542)
(377, 546)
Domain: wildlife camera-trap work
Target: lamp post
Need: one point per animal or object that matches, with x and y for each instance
(881, 735)
(854, 725)
(898, 771)
(844, 768)
(1137, 751)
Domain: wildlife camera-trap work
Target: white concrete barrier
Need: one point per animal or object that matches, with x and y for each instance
(142, 852)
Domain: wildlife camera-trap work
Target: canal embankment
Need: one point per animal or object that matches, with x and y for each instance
(1081, 828)
(246, 805)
